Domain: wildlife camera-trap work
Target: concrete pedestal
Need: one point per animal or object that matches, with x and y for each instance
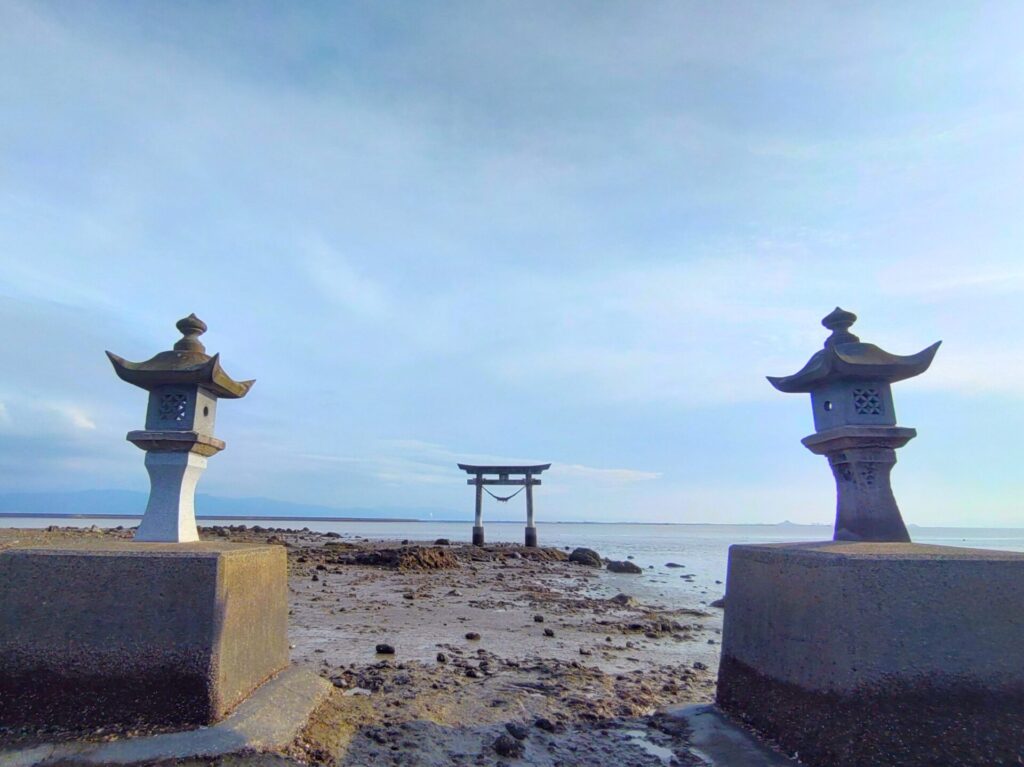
(478, 535)
(877, 653)
(531, 536)
(138, 633)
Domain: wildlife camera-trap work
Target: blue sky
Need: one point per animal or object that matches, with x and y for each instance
(571, 232)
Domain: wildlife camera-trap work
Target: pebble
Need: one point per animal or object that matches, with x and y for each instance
(472, 635)
(385, 649)
(509, 746)
(517, 730)
(538, 618)
(549, 632)
(544, 724)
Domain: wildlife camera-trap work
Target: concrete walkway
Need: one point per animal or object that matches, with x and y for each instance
(719, 742)
(269, 719)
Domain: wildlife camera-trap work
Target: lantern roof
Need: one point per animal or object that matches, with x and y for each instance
(846, 358)
(186, 363)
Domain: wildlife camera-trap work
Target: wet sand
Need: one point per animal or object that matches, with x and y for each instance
(500, 654)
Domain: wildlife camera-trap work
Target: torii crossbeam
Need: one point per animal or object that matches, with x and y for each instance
(503, 476)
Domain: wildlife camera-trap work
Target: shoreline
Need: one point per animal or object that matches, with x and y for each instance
(480, 638)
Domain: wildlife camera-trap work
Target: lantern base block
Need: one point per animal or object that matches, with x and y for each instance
(138, 633)
(876, 653)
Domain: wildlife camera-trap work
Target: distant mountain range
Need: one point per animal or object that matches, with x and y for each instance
(131, 503)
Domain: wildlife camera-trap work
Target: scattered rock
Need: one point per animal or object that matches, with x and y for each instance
(624, 567)
(405, 558)
(472, 673)
(508, 746)
(623, 599)
(517, 730)
(442, 658)
(700, 666)
(442, 542)
(587, 557)
(472, 635)
(673, 564)
(549, 632)
(385, 649)
(544, 724)
(538, 618)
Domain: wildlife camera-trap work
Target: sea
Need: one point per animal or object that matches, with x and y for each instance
(698, 552)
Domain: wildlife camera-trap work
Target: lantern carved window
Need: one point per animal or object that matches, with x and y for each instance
(867, 401)
(173, 406)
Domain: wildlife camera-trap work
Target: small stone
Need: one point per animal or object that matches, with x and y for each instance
(509, 746)
(549, 632)
(623, 599)
(442, 658)
(700, 666)
(472, 635)
(472, 673)
(442, 542)
(544, 724)
(315, 577)
(517, 730)
(584, 651)
(538, 618)
(385, 649)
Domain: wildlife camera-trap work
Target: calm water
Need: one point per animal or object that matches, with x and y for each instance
(701, 549)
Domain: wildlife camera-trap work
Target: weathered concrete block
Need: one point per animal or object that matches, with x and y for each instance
(98, 633)
(877, 653)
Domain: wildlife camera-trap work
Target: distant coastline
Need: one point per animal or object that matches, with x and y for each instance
(228, 517)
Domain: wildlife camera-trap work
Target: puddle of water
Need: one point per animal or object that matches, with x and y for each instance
(639, 737)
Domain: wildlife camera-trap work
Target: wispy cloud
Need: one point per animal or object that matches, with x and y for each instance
(553, 234)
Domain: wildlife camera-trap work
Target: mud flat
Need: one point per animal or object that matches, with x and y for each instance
(453, 654)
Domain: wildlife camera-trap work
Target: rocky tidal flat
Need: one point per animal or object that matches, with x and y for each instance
(446, 653)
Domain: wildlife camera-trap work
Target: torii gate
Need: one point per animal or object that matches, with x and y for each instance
(503, 473)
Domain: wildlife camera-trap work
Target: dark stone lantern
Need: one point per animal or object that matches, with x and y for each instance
(850, 384)
(184, 385)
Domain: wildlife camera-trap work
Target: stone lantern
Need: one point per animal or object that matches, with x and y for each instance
(850, 384)
(184, 385)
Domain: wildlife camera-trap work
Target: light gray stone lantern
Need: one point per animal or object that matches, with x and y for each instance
(850, 384)
(184, 385)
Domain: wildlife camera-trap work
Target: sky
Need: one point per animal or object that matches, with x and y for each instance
(579, 233)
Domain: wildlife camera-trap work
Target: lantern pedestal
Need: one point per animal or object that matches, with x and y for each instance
(175, 462)
(862, 458)
(138, 633)
(877, 653)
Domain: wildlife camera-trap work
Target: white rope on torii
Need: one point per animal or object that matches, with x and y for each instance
(482, 476)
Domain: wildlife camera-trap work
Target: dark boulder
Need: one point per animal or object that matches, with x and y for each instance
(624, 567)
(587, 557)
